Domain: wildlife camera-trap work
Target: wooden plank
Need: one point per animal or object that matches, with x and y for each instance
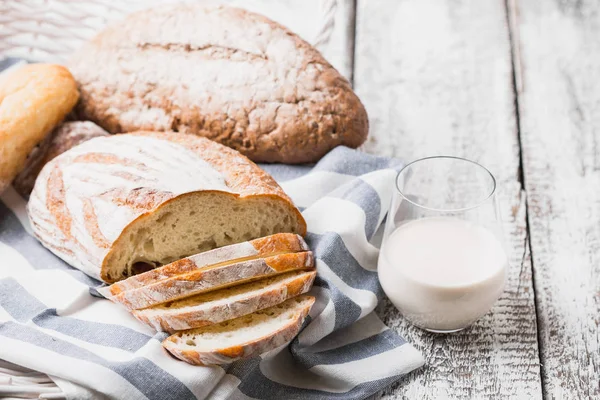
(51, 30)
(436, 78)
(559, 100)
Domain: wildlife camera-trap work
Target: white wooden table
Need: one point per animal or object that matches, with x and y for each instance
(514, 85)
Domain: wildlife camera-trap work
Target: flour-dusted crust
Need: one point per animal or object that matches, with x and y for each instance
(64, 137)
(88, 201)
(182, 344)
(33, 100)
(258, 248)
(204, 280)
(224, 73)
(241, 175)
(225, 304)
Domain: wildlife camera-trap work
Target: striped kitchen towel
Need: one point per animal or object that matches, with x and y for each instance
(51, 322)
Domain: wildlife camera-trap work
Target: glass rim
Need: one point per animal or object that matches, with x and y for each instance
(471, 207)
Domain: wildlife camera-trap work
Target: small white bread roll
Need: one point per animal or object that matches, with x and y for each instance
(33, 100)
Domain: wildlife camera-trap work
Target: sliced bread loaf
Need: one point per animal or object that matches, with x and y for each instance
(222, 305)
(212, 278)
(114, 202)
(259, 248)
(243, 337)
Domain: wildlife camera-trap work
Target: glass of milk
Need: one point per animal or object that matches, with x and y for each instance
(442, 261)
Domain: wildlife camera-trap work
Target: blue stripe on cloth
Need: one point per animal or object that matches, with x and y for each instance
(256, 385)
(373, 345)
(14, 235)
(346, 311)
(363, 195)
(147, 377)
(109, 335)
(17, 301)
(341, 159)
(9, 62)
(344, 160)
(282, 172)
(23, 307)
(330, 248)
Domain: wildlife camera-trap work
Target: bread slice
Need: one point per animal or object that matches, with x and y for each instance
(150, 198)
(212, 278)
(272, 245)
(222, 305)
(243, 337)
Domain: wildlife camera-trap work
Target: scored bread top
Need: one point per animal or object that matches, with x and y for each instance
(263, 247)
(211, 278)
(85, 198)
(240, 175)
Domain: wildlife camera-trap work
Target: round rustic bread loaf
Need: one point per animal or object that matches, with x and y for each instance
(113, 202)
(223, 73)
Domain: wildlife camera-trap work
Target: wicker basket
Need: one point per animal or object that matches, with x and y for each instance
(50, 30)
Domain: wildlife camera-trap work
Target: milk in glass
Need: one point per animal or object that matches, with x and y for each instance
(442, 273)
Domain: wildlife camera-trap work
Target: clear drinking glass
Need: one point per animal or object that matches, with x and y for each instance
(442, 261)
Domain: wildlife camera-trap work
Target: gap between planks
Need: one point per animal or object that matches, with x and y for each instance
(515, 56)
(558, 91)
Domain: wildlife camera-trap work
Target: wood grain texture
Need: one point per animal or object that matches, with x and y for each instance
(559, 47)
(436, 78)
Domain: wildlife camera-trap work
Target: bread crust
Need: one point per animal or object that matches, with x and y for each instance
(201, 281)
(130, 177)
(204, 314)
(253, 249)
(230, 75)
(33, 100)
(244, 349)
